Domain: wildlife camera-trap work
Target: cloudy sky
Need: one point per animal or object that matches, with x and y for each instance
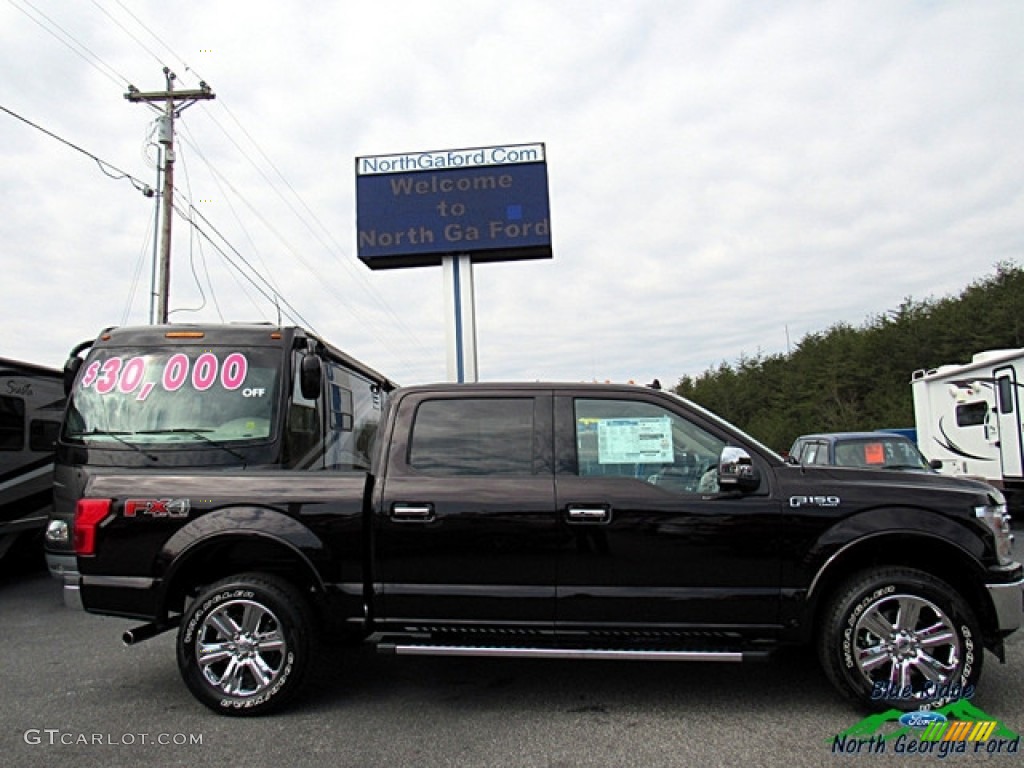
(725, 177)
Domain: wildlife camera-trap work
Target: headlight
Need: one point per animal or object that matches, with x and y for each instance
(997, 519)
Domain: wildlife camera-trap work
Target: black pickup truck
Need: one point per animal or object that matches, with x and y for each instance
(555, 521)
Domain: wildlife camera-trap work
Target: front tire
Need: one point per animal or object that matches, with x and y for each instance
(244, 644)
(900, 638)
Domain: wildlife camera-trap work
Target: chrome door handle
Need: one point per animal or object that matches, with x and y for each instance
(422, 513)
(589, 514)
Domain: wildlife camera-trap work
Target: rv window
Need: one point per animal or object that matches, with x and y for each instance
(1005, 386)
(354, 410)
(12, 423)
(42, 435)
(971, 414)
(341, 408)
(304, 433)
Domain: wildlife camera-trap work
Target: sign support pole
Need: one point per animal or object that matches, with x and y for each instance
(460, 311)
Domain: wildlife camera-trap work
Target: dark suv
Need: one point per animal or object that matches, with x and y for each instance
(867, 450)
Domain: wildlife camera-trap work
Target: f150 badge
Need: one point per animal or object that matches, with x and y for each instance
(157, 507)
(813, 501)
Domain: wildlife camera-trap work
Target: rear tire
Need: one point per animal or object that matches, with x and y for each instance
(900, 638)
(245, 644)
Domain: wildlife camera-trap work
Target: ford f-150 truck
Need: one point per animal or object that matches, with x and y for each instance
(587, 521)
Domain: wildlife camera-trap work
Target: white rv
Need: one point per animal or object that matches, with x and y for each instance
(31, 408)
(969, 418)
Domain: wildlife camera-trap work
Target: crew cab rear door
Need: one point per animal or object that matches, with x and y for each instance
(465, 524)
(651, 541)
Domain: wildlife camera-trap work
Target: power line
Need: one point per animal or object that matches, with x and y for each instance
(128, 32)
(118, 174)
(395, 322)
(308, 219)
(220, 181)
(270, 295)
(274, 295)
(369, 327)
(69, 41)
(192, 241)
(156, 37)
(330, 244)
(136, 276)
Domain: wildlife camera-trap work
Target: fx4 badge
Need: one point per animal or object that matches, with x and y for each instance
(813, 501)
(157, 507)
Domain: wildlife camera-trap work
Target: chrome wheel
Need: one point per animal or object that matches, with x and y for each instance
(900, 638)
(245, 643)
(240, 648)
(907, 642)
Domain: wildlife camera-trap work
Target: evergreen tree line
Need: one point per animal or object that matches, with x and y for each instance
(848, 378)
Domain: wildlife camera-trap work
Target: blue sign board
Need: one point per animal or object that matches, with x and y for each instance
(490, 203)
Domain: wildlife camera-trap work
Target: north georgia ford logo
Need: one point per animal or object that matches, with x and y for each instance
(921, 719)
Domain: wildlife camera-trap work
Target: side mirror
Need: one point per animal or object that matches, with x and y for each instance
(71, 368)
(736, 471)
(310, 377)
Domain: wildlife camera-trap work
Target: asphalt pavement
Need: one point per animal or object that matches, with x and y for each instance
(73, 695)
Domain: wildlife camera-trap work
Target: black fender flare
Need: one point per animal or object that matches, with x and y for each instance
(886, 533)
(236, 523)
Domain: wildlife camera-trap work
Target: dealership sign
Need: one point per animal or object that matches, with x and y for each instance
(490, 203)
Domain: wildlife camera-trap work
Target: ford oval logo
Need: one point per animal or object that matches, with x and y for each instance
(921, 719)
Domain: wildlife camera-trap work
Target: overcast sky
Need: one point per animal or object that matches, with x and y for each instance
(725, 177)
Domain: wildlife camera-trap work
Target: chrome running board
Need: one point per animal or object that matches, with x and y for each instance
(561, 653)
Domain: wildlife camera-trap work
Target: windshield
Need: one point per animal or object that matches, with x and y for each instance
(175, 396)
(880, 453)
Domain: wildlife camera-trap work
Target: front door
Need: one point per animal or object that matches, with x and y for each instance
(650, 541)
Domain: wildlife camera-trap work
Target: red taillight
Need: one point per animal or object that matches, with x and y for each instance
(89, 513)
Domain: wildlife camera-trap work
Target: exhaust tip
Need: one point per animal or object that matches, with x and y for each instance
(146, 631)
(130, 637)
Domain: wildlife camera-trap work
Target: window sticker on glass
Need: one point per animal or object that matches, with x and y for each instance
(634, 441)
(114, 374)
(874, 453)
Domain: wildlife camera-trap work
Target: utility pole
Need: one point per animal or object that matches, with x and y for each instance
(174, 103)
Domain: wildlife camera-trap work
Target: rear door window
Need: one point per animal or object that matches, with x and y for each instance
(485, 436)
